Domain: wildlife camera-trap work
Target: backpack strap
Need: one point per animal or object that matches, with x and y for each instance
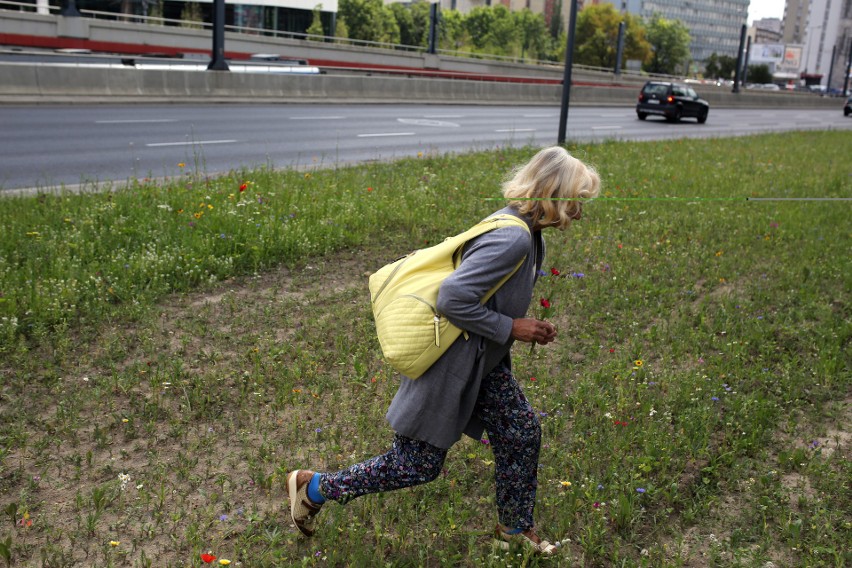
(484, 226)
(506, 220)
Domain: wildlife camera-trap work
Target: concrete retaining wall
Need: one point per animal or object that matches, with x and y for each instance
(29, 83)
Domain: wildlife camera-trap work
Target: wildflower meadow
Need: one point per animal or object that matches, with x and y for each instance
(169, 350)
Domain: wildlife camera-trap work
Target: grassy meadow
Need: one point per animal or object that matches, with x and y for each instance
(170, 350)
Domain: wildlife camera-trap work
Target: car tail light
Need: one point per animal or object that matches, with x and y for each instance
(641, 97)
(669, 99)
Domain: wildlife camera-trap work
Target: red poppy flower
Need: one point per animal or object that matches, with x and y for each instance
(554, 272)
(207, 558)
(243, 187)
(545, 303)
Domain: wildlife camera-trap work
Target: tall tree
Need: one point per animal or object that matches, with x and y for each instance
(597, 37)
(413, 22)
(369, 20)
(315, 29)
(532, 33)
(405, 22)
(670, 42)
(503, 36)
(636, 44)
(557, 26)
(720, 66)
(759, 74)
(478, 24)
(452, 33)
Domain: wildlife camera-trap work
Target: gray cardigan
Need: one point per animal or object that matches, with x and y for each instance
(438, 407)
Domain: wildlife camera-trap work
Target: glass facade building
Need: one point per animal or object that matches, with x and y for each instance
(714, 25)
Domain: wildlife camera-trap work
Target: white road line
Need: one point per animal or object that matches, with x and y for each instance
(427, 122)
(606, 128)
(189, 143)
(516, 130)
(135, 121)
(443, 116)
(386, 134)
(317, 117)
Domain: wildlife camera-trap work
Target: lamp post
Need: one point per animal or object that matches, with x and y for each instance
(217, 59)
(566, 76)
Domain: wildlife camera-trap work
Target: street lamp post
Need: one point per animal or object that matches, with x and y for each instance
(566, 76)
(217, 60)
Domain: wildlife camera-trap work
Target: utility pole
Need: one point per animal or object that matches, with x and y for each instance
(566, 77)
(619, 53)
(830, 69)
(217, 58)
(433, 28)
(736, 88)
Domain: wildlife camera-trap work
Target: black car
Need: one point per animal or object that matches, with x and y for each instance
(847, 108)
(671, 100)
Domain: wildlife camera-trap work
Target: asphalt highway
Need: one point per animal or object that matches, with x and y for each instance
(47, 147)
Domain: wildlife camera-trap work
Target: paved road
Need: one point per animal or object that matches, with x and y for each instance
(49, 146)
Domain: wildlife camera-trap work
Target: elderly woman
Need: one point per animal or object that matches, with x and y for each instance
(471, 389)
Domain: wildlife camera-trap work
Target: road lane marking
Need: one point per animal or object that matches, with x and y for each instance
(189, 143)
(135, 121)
(427, 122)
(386, 134)
(516, 130)
(443, 116)
(317, 117)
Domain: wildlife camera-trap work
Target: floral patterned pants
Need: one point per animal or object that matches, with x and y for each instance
(514, 433)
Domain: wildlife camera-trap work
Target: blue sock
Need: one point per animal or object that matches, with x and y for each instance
(314, 490)
(515, 531)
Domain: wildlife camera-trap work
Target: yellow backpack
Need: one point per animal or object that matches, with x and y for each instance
(412, 334)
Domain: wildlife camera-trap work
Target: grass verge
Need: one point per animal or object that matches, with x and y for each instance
(170, 352)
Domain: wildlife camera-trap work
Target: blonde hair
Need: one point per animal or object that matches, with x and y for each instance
(547, 188)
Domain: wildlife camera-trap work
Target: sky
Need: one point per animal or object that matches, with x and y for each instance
(758, 9)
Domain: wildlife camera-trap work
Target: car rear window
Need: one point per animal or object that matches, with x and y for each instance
(655, 89)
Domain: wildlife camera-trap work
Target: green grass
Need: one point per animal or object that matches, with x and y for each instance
(165, 363)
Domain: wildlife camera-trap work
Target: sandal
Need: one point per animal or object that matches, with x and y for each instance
(527, 539)
(303, 511)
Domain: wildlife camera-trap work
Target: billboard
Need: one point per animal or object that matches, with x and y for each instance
(767, 53)
(792, 59)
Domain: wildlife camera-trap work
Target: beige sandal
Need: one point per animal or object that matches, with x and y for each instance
(528, 539)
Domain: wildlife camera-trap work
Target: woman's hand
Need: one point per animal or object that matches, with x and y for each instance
(531, 330)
